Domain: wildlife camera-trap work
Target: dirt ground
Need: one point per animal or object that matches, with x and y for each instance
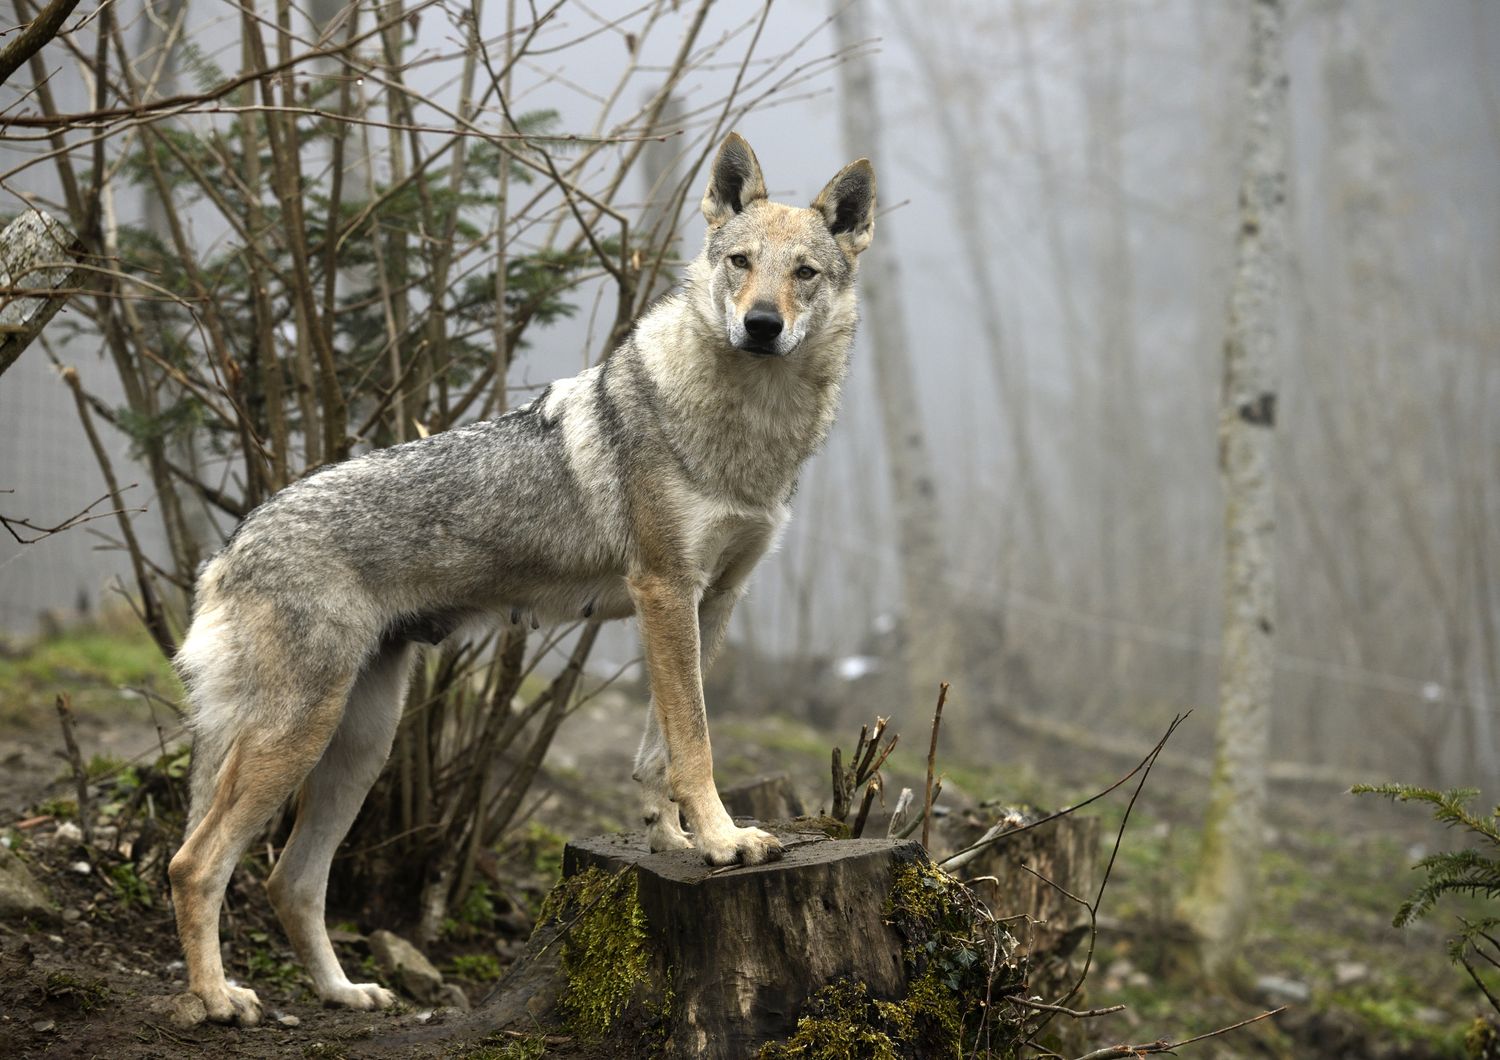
(91, 982)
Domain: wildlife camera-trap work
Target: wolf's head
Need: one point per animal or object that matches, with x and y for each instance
(778, 274)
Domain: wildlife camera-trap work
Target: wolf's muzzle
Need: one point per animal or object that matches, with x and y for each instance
(762, 324)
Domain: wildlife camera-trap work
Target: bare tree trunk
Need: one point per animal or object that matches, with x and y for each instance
(928, 625)
(1219, 907)
(962, 161)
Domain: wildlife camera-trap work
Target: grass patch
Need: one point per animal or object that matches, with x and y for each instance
(92, 661)
(477, 967)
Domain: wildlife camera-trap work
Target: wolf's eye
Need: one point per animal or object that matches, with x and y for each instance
(806, 272)
(739, 261)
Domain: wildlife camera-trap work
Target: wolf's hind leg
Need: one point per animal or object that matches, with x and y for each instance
(326, 809)
(262, 767)
(663, 820)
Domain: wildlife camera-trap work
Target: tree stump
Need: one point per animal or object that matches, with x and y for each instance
(765, 799)
(36, 252)
(1064, 851)
(660, 954)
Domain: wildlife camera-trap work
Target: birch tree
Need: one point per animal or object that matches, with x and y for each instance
(928, 627)
(1220, 906)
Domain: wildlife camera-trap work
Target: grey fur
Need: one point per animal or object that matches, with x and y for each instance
(662, 473)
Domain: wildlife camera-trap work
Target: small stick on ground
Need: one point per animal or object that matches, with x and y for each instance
(937, 720)
(1162, 1045)
(75, 759)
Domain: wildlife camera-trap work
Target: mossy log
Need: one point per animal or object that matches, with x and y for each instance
(660, 954)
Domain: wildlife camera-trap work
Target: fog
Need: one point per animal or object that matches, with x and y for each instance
(1087, 155)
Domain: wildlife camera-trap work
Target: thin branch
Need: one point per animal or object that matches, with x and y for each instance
(1145, 763)
(86, 515)
(937, 720)
(74, 759)
(1162, 1045)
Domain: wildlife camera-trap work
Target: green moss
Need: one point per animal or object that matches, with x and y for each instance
(74, 991)
(497, 1047)
(1482, 1040)
(604, 953)
(946, 940)
(840, 1022)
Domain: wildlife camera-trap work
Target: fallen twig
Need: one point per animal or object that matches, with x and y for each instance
(1162, 1045)
(1077, 1014)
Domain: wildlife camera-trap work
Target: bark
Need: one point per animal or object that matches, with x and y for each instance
(31, 39)
(930, 630)
(34, 251)
(771, 798)
(1220, 906)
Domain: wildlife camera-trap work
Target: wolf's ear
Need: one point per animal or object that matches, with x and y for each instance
(734, 182)
(848, 206)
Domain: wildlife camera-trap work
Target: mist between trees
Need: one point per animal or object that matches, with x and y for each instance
(312, 233)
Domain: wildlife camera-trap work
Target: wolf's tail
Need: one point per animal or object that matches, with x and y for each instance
(206, 662)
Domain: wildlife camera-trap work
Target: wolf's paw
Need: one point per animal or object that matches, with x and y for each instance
(232, 1004)
(363, 996)
(744, 846)
(665, 836)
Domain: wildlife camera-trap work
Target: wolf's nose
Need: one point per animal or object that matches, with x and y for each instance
(763, 324)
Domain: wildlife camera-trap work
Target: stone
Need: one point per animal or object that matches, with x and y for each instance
(20, 893)
(1279, 990)
(1347, 973)
(453, 996)
(36, 253)
(406, 966)
(183, 1011)
(68, 832)
(289, 1021)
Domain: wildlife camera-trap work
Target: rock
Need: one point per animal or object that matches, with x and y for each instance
(1347, 973)
(407, 968)
(34, 254)
(289, 1021)
(83, 868)
(72, 916)
(68, 832)
(1280, 990)
(182, 1011)
(453, 995)
(43, 1026)
(20, 894)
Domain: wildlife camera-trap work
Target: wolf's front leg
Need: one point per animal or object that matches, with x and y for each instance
(658, 810)
(669, 632)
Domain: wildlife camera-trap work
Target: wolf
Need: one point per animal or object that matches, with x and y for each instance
(647, 485)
